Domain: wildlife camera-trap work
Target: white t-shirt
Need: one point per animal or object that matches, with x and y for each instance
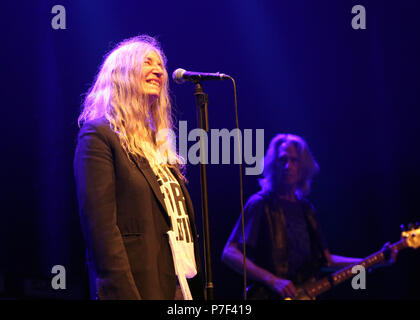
(183, 248)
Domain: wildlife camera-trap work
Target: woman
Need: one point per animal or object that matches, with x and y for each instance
(136, 214)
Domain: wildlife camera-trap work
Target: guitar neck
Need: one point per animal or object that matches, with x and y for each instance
(316, 288)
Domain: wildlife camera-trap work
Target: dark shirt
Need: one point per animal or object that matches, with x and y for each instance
(282, 237)
(298, 238)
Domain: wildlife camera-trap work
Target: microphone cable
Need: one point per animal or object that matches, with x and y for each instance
(241, 191)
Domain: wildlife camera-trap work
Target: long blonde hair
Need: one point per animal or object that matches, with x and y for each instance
(117, 95)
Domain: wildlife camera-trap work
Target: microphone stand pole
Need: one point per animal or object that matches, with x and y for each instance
(201, 99)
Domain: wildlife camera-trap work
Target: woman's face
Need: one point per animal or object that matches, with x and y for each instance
(152, 75)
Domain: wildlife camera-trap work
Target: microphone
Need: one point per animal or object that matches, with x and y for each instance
(181, 75)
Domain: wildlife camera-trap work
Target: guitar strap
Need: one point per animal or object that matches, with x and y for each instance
(278, 246)
(318, 241)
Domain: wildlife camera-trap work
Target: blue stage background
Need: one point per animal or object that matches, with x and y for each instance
(300, 68)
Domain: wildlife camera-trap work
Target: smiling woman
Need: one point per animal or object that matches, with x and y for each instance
(152, 74)
(133, 84)
(131, 193)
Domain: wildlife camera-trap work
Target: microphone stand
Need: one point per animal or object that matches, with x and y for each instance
(201, 99)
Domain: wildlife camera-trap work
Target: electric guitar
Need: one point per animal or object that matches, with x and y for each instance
(313, 288)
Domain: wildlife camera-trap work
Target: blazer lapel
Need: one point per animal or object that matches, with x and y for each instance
(150, 176)
(188, 202)
(187, 198)
(190, 209)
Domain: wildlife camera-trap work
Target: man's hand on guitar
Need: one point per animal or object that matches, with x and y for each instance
(283, 287)
(390, 254)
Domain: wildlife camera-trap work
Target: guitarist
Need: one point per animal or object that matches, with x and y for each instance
(284, 245)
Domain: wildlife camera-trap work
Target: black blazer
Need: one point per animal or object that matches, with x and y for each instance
(124, 221)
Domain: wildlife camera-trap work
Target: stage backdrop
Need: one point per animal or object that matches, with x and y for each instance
(300, 67)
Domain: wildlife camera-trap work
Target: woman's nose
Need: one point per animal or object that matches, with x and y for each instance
(157, 71)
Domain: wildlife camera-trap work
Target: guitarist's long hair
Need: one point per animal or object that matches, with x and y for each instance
(309, 166)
